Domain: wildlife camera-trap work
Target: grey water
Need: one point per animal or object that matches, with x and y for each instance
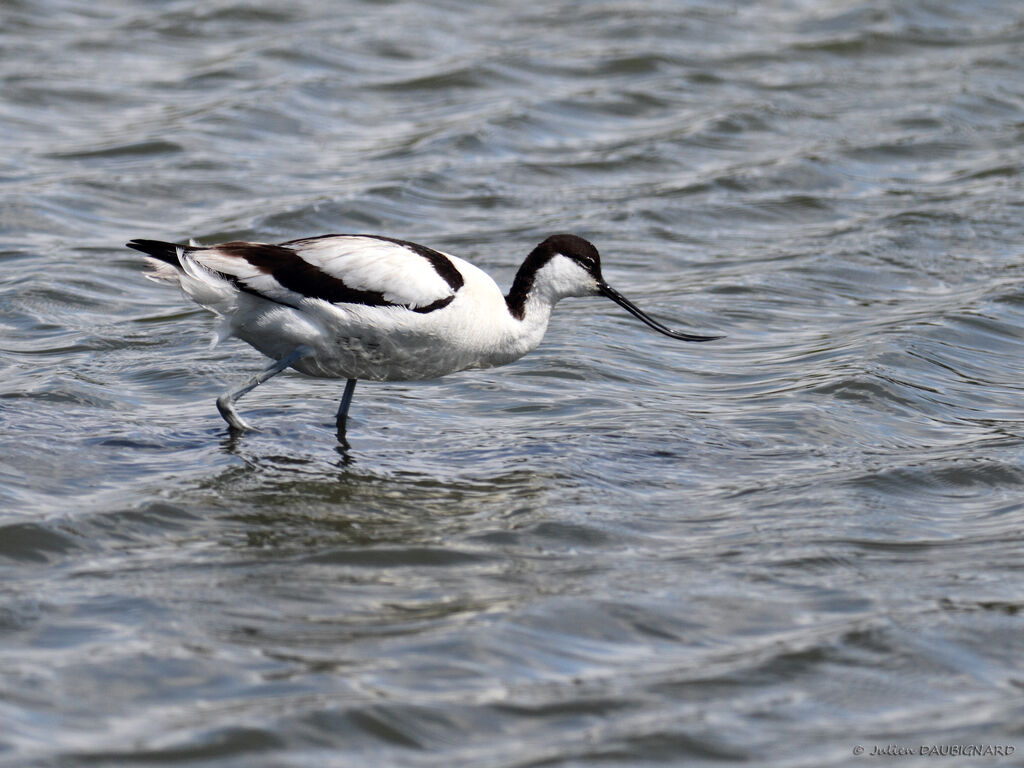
(775, 549)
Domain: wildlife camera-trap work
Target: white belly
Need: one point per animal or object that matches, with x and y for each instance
(389, 343)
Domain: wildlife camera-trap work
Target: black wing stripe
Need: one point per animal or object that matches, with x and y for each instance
(441, 263)
(439, 304)
(299, 276)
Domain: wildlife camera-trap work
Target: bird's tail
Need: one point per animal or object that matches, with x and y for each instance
(165, 259)
(174, 264)
(165, 252)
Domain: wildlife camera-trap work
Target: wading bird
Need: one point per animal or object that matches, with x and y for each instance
(372, 307)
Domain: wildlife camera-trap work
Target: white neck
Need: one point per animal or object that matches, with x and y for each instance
(555, 280)
(533, 326)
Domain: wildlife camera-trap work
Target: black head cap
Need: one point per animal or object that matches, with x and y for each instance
(576, 248)
(569, 246)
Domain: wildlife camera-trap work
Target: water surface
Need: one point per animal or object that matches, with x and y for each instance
(621, 550)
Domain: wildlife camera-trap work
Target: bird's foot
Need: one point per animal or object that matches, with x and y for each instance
(230, 415)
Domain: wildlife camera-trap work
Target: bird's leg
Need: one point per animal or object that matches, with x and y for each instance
(346, 401)
(226, 402)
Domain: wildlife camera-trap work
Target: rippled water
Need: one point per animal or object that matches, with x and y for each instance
(620, 550)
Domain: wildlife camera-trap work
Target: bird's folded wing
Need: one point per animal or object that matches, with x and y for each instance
(340, 269)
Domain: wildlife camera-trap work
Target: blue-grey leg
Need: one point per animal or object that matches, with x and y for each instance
(346, 401)
(226, 402)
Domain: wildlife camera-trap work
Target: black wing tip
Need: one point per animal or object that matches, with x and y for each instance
(166, 252)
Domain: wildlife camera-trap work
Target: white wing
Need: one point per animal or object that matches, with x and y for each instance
(340, 269)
